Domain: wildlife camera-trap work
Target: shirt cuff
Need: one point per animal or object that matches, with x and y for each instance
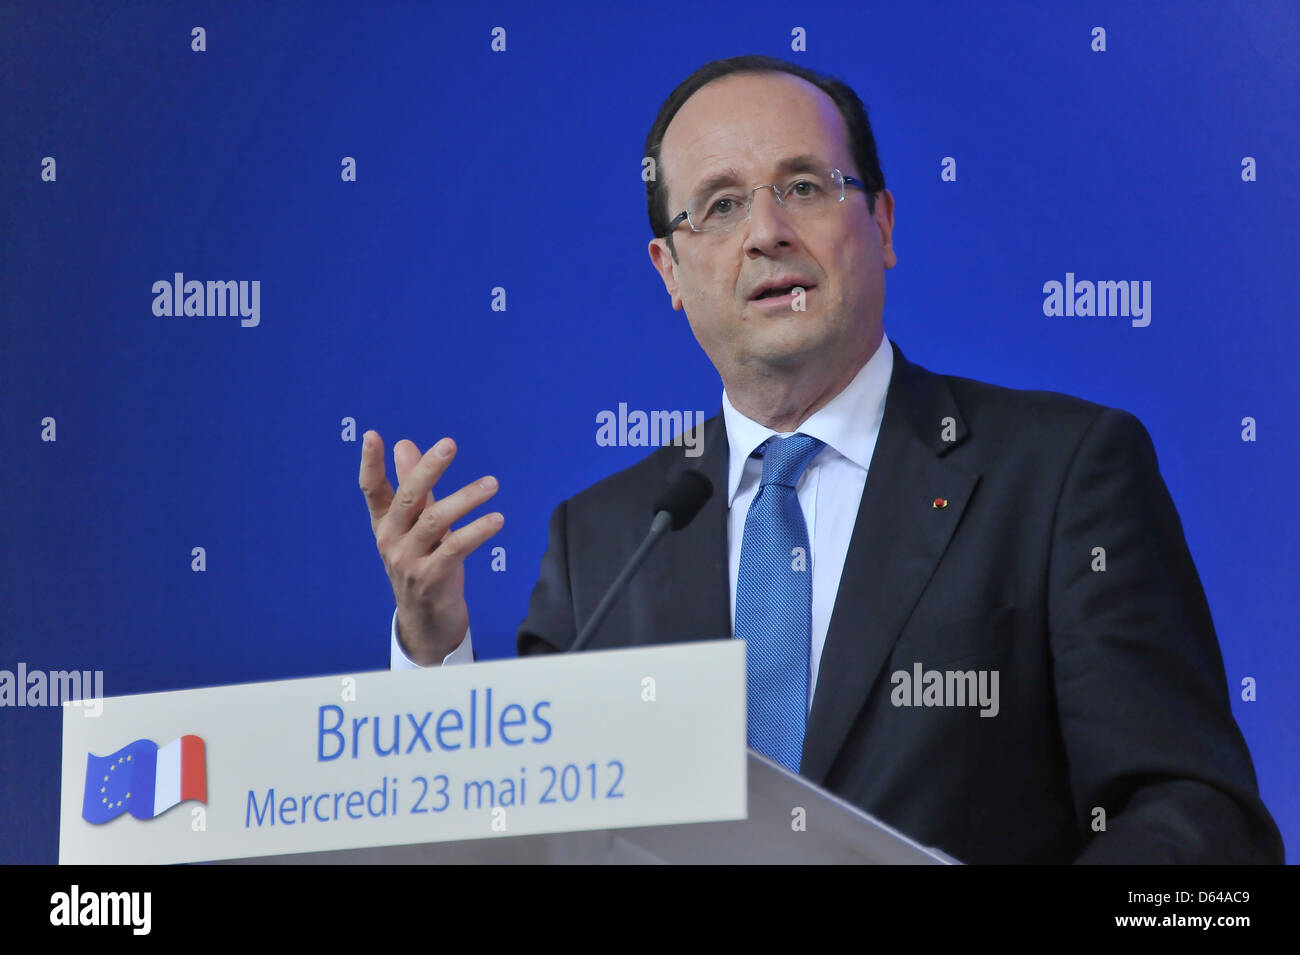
(398, 660)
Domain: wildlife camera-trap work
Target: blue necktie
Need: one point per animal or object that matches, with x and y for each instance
(774, 603)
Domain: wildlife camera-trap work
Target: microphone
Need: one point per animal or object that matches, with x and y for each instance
(675, 508)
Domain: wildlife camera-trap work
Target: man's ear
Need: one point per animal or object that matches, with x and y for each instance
(662, 260)
(885, 222)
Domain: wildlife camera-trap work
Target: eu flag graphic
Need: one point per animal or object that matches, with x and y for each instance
(144, 779)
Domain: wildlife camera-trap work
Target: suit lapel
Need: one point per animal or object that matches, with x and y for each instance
(898, 539)
(696, 595)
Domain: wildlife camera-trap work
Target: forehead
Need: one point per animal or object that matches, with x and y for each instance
(750, 122)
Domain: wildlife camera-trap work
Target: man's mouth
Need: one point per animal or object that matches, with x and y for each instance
(781, 292)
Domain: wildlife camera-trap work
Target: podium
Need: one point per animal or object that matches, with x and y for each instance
(833, 832)
(633, 755)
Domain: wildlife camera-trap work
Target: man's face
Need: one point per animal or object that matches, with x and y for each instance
(750, 123)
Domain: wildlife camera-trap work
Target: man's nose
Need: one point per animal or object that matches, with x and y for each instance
(769, 221)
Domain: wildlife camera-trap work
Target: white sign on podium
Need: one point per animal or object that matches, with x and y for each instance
(557, 743)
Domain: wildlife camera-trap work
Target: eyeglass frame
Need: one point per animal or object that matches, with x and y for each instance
(684, 215)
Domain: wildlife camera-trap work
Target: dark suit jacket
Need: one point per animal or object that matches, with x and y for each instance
(1111, 683)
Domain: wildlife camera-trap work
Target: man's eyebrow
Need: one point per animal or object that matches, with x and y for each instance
(729, 177)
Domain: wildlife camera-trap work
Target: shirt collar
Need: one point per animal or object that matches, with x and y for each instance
(847, 423)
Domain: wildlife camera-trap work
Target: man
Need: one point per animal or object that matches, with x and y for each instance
(1023, 538)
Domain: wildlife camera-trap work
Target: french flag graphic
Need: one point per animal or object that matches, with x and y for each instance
(144, 779)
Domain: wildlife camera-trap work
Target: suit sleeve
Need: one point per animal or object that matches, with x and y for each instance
(1141, 692)
(550, 624)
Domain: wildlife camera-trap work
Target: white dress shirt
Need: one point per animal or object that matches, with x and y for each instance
(829, 492)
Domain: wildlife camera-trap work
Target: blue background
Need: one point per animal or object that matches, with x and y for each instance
(522, 169)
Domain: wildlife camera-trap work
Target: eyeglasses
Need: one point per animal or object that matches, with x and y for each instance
(806, 195)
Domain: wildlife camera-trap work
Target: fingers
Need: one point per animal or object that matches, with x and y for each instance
(460, 543)
(422, 554)
(406, 455)
(436, 520)
(373, 479)
(415, 491)
(410, 523)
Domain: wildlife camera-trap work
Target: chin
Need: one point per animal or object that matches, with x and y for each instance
(788, 351)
